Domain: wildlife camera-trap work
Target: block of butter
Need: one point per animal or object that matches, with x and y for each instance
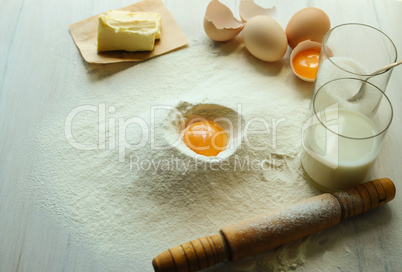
(129, 31)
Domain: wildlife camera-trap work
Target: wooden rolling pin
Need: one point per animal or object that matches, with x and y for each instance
(275, 228)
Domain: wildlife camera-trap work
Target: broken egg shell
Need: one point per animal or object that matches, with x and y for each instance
(219, 23)
(249, 9)
(219, 35)
(305, 45)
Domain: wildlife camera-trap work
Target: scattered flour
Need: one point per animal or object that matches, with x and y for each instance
(126, 205)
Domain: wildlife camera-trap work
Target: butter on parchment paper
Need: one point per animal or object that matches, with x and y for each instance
(128, 31)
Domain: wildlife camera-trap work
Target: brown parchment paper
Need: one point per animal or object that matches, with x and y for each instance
(85, 35)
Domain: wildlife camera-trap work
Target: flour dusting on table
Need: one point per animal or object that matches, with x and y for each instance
(126, 205)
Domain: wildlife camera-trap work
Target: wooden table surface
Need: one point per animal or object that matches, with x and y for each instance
(37, 56)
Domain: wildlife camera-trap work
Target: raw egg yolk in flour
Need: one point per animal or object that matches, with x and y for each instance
(205, 138)
(305, 63)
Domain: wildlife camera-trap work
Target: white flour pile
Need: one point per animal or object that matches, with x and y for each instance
(127, 212)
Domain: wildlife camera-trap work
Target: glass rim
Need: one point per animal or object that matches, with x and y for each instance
(326, 36)
(348, 137)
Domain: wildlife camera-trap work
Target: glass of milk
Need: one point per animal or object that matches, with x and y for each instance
(356, 50)
(342, 139)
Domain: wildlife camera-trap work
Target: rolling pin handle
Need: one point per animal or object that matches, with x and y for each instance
(191, 256)
(365, 197)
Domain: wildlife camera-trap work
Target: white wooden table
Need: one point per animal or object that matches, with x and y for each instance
(37, 59)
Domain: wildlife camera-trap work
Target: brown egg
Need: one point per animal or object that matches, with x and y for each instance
(307, 24)
(265, 39)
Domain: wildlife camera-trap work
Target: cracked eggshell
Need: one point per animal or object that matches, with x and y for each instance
(305, 45)
(219, 23)
(249, 9)
(307, 24)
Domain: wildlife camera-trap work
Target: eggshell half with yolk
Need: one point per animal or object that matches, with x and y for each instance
(304, 59)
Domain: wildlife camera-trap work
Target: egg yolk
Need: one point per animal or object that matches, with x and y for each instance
(205, 138)
(305, 63)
